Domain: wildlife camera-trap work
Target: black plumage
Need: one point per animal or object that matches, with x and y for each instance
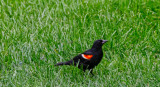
(88, 59)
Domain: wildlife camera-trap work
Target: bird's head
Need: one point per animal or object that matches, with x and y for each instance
(99, 43)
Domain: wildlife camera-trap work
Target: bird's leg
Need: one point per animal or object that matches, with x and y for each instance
(91, 71)
(84, 70)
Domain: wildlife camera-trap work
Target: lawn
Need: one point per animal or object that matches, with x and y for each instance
(36, 34)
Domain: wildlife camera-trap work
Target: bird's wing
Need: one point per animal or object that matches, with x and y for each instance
(84, 58)
(87, 55)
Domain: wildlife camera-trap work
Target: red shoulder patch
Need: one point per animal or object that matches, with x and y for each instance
(87, 56)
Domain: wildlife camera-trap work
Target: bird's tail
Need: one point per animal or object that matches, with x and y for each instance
(64, 63)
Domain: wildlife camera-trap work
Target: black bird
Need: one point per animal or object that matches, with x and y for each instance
(88, 59)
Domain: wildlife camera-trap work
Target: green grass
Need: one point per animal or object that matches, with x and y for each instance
(36, 34)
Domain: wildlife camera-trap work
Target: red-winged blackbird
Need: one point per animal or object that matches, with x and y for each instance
(89, 59)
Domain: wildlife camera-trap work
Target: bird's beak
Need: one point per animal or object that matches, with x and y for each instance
(104, 41)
